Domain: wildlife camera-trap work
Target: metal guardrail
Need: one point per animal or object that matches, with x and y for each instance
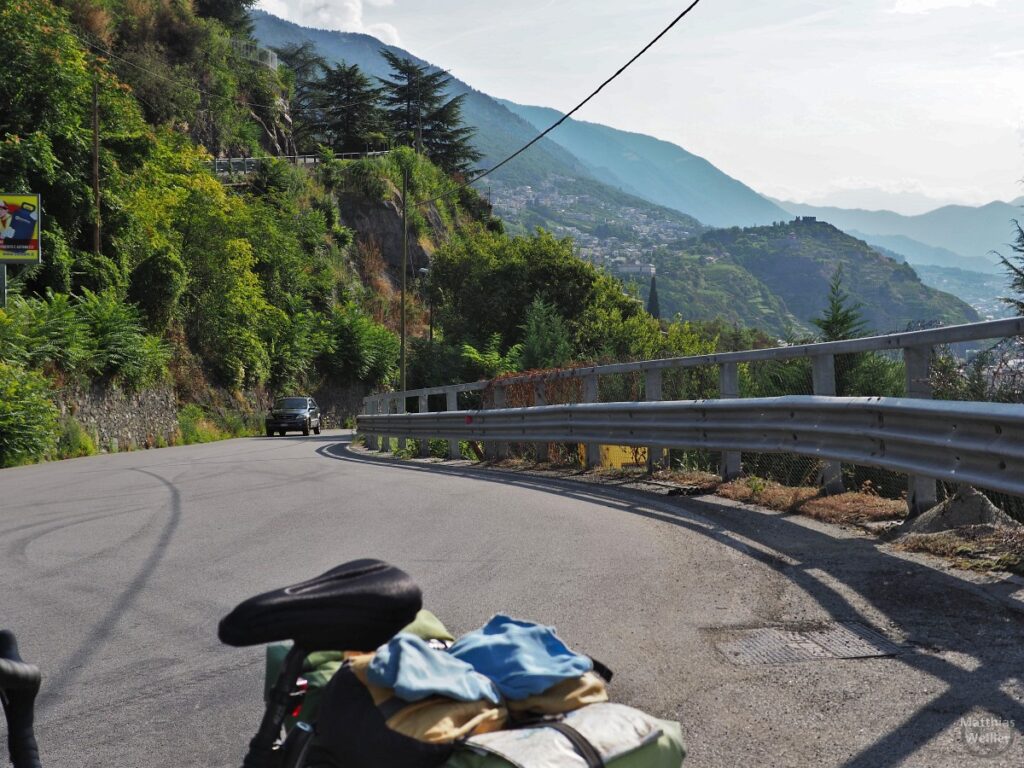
(977, 443)
(917, 346)
(245, 165)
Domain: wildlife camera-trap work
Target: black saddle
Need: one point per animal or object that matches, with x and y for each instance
(357, 606)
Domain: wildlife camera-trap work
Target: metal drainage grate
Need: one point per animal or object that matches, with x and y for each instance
(777, 645)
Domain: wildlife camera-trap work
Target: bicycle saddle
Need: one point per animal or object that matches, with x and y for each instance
(357, 606)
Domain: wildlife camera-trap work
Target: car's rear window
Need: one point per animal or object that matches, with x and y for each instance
(290, 402)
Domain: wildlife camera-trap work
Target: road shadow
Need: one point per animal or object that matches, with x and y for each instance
(934, 613)
(75, 665)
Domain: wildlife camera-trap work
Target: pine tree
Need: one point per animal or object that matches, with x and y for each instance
(349, 103)
(420, 115)
(1016, 271)
(653, 308)
(841, 320)
(306, 69)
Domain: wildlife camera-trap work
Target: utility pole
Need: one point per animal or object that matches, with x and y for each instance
(96, 161)
(405, 264)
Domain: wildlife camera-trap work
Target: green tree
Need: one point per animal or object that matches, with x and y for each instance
(841, 319)
(305, 74)
(349, 103)
(1016, 271)
(653, 308)
(231, 13)
(420, 114)
(490, 362)
(483, 282)
(546, 342)
(28, 417)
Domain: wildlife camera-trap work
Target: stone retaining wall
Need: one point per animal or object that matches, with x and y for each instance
(123, 420)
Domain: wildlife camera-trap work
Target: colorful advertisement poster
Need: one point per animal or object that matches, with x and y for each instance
(20, 217)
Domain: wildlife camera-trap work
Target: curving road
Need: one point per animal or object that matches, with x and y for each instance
(117, 568)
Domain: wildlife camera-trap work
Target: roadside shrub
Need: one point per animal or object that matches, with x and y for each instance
(196, 427)
(28, 417)
(73, 441)
(358, 349)
(123, 350)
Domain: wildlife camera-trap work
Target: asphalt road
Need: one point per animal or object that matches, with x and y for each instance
(117, 568)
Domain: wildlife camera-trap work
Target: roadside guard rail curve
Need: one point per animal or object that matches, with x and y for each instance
(385, 414)
(977, 443)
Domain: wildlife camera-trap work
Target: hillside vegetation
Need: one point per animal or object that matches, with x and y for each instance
(777, 278)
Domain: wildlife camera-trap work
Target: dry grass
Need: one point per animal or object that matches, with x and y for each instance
(973, 547)
(851, 508)
(707, 482)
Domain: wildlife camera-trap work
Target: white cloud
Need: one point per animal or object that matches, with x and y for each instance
(344, 15)
(927, 6)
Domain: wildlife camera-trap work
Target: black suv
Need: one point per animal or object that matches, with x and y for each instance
(293, 414)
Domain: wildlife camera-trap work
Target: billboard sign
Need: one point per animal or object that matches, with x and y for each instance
(20, 219)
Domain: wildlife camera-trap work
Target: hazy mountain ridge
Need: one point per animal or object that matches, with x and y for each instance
(777, 277)
(973, 233)
(622, 194)
(656, 170)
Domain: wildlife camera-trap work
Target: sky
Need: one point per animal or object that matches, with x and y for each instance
(899, 104)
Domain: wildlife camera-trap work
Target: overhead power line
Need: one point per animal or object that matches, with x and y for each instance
(572, 111)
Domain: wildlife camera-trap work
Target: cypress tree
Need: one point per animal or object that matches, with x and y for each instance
(653, 308)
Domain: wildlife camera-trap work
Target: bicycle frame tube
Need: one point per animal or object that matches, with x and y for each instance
(261, 752)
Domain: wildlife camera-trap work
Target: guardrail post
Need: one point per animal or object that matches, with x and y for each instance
(731, 464)
(371, 409)
(922, 493)
(451, 403)
(497, 450)
(823, 378)
(657, 458)
(384, 406)
(425, 442)
(591, 395)
(402, 407)
(540, 450)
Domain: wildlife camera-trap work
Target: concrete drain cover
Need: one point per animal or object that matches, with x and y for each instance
(777, 645)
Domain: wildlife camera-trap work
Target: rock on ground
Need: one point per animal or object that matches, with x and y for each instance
(966, 507)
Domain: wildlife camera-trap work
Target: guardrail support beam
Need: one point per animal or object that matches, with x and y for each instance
(372, 408)
(657, 458)
(424, 407)
(385, 441)
(591, 394)
(540, 450)
(451, 403)
(497, 451)
(922, 492)
(731, 464)
(823, 377)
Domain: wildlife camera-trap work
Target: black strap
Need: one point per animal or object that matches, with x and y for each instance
(579, 742)
(602, 670)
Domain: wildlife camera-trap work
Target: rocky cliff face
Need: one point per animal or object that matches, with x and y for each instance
(379, 223)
